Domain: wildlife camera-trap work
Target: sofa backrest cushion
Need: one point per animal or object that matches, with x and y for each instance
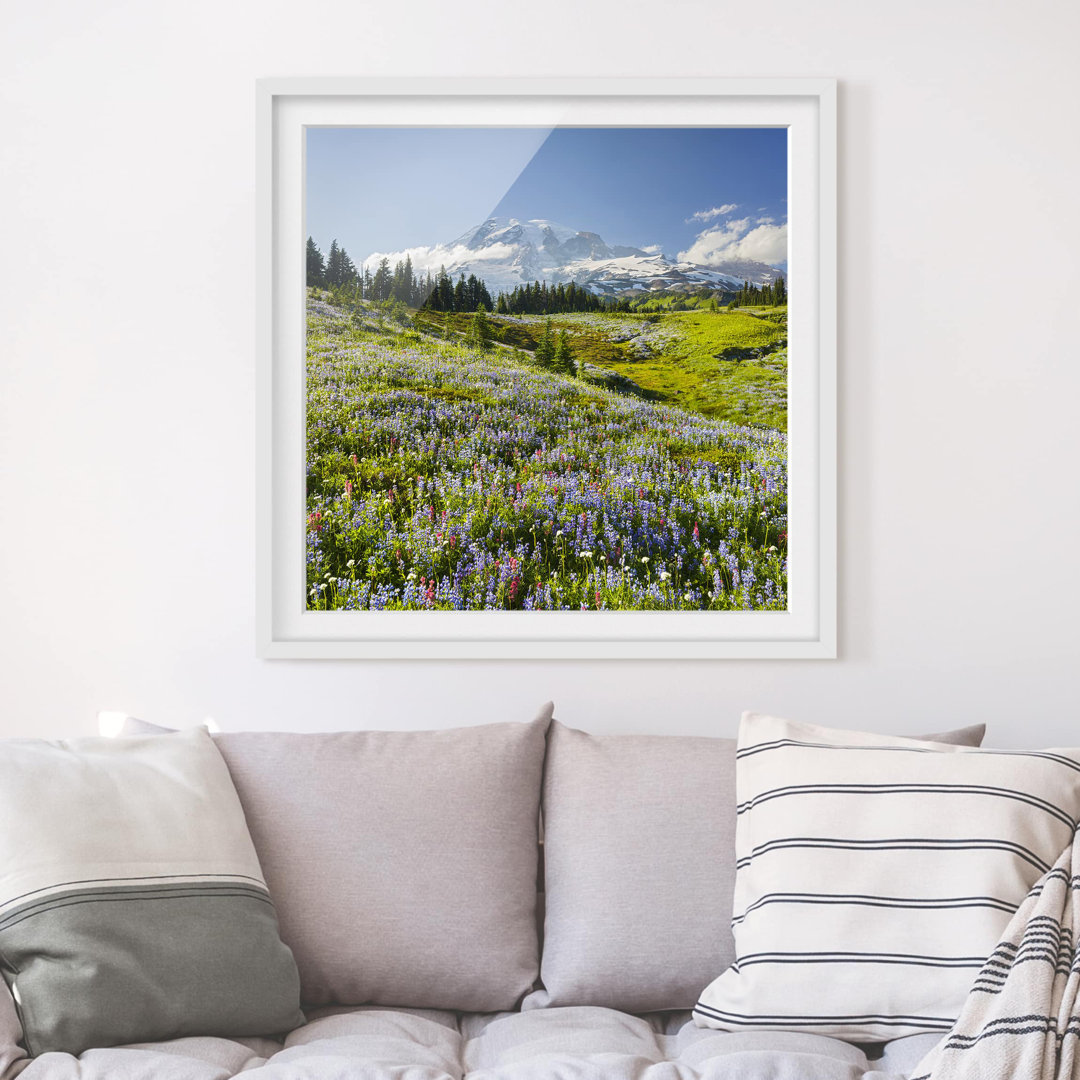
(403, 864)
(639, 858)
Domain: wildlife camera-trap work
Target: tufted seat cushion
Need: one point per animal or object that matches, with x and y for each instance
(573, 1043)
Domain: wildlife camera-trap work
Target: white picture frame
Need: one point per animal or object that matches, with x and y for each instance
(286, 629)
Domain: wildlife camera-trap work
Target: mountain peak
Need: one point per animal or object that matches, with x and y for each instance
(539, 232)
(506, 252)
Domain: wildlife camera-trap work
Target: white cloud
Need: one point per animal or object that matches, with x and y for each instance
(651, 249)
(765, 243)
(715, 212)
(431, 258)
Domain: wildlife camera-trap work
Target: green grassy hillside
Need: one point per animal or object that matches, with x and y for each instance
(726, 364)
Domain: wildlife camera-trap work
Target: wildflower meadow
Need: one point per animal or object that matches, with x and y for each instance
(442, 476)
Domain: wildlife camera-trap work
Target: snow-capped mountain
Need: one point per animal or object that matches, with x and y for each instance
(505, 253)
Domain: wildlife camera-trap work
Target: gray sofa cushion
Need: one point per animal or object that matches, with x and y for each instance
(402, 864)
(639, 854)
(557, 1044)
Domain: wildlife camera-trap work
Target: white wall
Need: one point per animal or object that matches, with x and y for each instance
(127, 378)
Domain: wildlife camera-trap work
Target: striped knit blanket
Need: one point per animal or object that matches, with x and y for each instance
(1021, 1020)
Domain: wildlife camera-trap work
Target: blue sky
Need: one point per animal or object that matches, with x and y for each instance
(703, 194)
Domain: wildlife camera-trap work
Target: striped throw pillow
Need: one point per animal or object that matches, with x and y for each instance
(876, 874)
(132, 904)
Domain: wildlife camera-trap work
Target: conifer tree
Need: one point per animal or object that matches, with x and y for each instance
(347, 270)
(316, 265)
(380, 284)
(445, 289)
(440, 291)
(545, 348)
(471, 294)
(480, 329)
(333, 265)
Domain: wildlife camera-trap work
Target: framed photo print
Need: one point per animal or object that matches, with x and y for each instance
(547, 368)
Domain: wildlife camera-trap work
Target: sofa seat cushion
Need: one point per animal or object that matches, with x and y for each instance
(373, 1043)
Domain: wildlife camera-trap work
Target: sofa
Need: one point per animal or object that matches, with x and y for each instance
(519, 901)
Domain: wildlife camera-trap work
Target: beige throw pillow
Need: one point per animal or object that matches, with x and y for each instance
(403, 863)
